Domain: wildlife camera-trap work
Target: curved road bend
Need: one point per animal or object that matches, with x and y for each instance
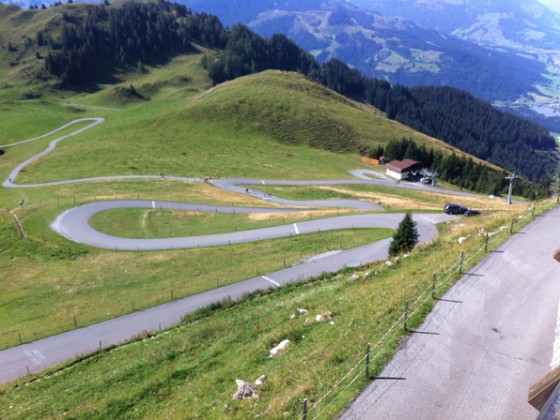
(485, 343)
(365, 176)
(38, 355)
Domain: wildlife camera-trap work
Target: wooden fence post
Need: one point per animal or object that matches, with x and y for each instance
(486, 242)
(406, 316)
(434, 286)
(304, 416)
(368, 352)
(461, 262)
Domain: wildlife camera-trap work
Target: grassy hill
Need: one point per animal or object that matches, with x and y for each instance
(279, 124)
(271, 125)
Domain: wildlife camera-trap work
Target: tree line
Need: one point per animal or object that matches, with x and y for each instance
(133, 34)
(460, 170)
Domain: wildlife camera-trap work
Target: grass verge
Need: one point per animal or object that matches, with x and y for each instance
(190, 371)
(46, 286)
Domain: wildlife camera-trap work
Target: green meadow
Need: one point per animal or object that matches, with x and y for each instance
(272, 125)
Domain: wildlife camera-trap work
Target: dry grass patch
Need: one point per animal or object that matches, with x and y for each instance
(257, 217)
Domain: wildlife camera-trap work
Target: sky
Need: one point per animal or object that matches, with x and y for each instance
(551, 4)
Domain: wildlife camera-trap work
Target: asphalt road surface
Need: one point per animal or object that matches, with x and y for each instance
(35, 356)
(73, 224)
(486, 342)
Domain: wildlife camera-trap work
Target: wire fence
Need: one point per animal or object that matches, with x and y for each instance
(446, 277)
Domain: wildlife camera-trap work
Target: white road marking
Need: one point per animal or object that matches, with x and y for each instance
(296, 229)
(271, 281)
(153, 204)
(262, 180)
(35, 355)
(556, 352)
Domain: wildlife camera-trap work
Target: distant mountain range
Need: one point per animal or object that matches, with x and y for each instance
(502, 51)
(427, 43)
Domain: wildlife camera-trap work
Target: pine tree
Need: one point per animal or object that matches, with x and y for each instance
(406, 237)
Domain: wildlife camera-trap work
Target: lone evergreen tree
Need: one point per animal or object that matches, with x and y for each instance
(406, 237)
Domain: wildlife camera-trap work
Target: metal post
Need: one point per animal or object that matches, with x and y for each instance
(368, 351)
(304, 416)
(406, 316)
(461, 262)
(434, 286)
(511, 177)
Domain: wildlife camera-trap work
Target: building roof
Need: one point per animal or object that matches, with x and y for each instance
(404, 165)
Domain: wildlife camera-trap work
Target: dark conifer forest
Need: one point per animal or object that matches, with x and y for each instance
(132, 34)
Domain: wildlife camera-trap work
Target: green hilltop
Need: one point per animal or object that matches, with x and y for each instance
(168, 118)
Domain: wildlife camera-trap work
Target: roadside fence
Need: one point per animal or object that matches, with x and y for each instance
(441, 281)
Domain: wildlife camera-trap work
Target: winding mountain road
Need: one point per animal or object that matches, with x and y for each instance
(73, 224)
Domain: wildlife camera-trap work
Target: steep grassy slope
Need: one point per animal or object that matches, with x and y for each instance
(22, 70)
(190, 372)
(257, 126)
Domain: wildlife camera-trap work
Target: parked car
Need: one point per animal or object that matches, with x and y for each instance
(426, 180)
(454, 209)
(471, 212)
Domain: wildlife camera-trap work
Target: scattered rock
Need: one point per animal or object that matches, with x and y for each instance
(244, 390)
(292, 316)
(279, 348)
(354, 277)
(261, 379)
(406, 255)
(332, 322)
(319, 318)
(308, 321)
(388, 263)
(462, 239)
(301, 311)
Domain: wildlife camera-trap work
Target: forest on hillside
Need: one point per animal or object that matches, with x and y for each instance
(133, 34)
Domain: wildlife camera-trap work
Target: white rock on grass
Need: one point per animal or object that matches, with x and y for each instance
(301, 311)
(280, 348)
(244, 390)
(260, 380)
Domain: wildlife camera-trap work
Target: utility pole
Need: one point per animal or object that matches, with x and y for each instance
(511, 178)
